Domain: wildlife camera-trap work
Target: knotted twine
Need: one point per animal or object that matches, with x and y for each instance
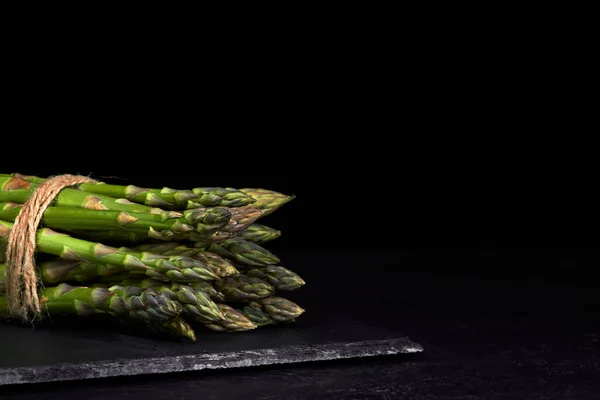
(21, 277)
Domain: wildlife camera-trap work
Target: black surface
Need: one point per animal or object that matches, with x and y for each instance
(131, 363)
(489, 359)
(61, 353)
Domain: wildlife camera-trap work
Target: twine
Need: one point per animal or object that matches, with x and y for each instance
(21, 277)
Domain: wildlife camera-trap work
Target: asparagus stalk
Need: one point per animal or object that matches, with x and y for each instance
(164, 198)
(267, 200)
(234, 321)
(219, 265)
(279, 308)
(196, 303)
(165, 247)
(259, 233)
(61, 270)
(176, 268)
(143, 308)
(256, 315)
(146, 305)
(243, 288)
(243, 252)
(29, 178)
(204, 286)
(281, 278)
(115, 238)
(209, 289)
(241, 218)
(271, 310)
(256, 233)
(17, 190)
(194, 224)
(220, 270)
(211, 196)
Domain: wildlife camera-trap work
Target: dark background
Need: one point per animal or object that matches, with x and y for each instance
(373, 190)
(452, 196)
(456, 155)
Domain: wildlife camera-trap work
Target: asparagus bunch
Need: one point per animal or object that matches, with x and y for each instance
(161, 260)
(196, 223)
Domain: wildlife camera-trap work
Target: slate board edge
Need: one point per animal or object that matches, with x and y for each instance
(196, 362)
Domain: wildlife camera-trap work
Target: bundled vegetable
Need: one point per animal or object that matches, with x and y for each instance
(164, 260)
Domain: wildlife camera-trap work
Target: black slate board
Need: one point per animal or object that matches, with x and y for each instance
(58, 352)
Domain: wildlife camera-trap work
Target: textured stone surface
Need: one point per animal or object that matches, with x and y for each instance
(195, 362)
(68, 350)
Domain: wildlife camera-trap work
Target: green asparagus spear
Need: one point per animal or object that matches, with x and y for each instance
(267, 200)
(256, 315)
(281, 278)
(69, 248)
(278, 308)
(241, 218)
(220, 266)
(244, 252)
(17, 190)
(211, 196)
(165, 198)
(243, 288)
(143, 308)
(196, 303)
(61, 270)
(196, 223)
(29, 178)
(115, 238)
(234, 321)
(57, 271)
(258, 233)
(271, 310)
(143, 304)
(172, 198)
(209, 289)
